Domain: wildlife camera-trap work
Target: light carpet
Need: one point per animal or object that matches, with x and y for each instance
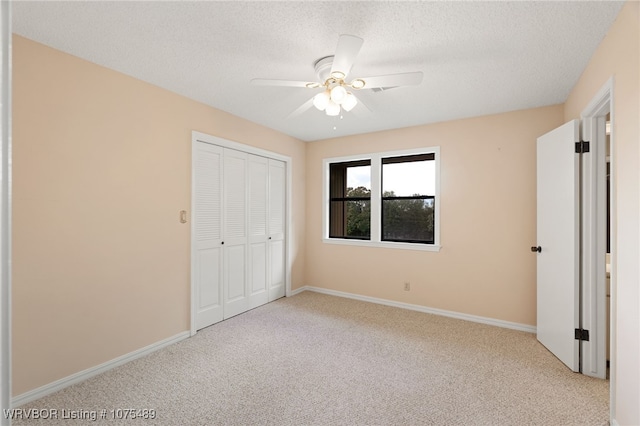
(315, 359)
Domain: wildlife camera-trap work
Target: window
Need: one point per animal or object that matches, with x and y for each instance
(350, 200)
(408, 198)
(385, 199)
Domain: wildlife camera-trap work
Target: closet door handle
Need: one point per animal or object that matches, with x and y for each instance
(222, 243)
(536, 249)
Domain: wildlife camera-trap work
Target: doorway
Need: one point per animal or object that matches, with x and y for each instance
(599, 301)
(576, 266)
(574, 262)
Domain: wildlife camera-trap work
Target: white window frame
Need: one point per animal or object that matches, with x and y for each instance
(376, 202)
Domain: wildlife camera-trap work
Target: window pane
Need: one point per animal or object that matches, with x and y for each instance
(358, 181)
(410, 220)
(350, 219)
(350, 199)
(409, 178)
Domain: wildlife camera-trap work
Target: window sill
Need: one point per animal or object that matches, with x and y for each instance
(382, 244)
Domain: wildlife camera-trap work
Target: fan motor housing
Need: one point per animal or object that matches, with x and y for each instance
(323, 68)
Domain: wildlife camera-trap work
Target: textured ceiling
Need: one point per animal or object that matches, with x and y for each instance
(477, 57)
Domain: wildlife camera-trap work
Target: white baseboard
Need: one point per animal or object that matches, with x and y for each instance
(297, 291)
(425, 309)
(42, 391)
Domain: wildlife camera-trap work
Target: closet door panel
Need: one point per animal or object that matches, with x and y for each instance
(209, 291)
(276, 199)
(235, 196)
(277, 218)
(258, 255)
(235, 232)
(258, 268)
(207, 234)
(277, 275)
(235, 279)
(258, 192)
(209, 276)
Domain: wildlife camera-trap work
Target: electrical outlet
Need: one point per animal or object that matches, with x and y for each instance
(407, 286)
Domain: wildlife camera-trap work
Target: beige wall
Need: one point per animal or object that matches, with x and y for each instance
(101, 166)
(488, 219)
(618, 56)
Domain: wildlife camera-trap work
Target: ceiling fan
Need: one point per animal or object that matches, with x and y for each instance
(332, 72)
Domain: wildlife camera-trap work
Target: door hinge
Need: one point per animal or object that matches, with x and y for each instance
(582, 147)
(582, 334)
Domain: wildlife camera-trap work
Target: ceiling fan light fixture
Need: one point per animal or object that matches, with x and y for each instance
(349, 102)
(331, 72)
(338, 94)
(357, 83)
(332, 109)
(321, 100)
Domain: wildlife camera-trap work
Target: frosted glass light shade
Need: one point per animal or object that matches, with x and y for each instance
(332, 108)
(349, 102)
(338, 94)
(321, 100)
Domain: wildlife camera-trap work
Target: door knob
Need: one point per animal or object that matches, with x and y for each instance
(536, 249)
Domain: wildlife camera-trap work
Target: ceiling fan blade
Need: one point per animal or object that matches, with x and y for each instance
(285, 83)
(393, 80)
(346, 53)
(361, 109)
(302, 108)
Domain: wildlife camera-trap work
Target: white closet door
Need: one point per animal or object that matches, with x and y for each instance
(238, 233)
(207, 234)
(258, 191)
(235, 233)
(276, 240)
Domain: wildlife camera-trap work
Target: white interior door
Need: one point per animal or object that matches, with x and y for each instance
(558, 238)
(277, 250)
(206, 235)
(235, 233)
